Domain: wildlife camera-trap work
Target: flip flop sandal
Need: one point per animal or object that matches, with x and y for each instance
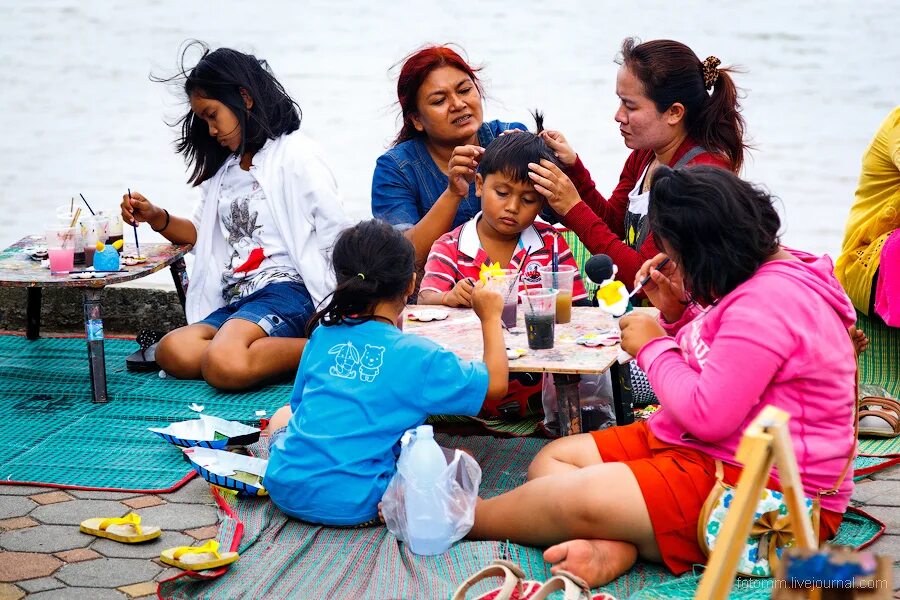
(198, 558)
(514, 587)
(879, 417)
(127, 529)
(144, 360)
(573, 587)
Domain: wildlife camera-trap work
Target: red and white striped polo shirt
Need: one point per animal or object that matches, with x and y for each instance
(458, 254)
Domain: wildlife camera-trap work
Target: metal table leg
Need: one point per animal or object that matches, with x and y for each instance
(180, 276)
(93, 329)
(33, 314)
(568, 402)
(623, 401)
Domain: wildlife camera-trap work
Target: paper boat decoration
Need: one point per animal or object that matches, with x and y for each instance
(238, 472)
(208, 432)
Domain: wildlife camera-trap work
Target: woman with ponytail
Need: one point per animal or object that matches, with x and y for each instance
(334, 449)
(675, 110)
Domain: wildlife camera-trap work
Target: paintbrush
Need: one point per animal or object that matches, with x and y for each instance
(646, 279)
(134, 224)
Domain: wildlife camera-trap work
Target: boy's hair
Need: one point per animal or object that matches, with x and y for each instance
(511, 152)
(373, 262)
(222, 75)
(720, 227)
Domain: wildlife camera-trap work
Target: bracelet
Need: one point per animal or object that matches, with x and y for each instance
(444, 297)
(163, 228)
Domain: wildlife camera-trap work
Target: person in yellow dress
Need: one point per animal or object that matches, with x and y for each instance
(869, 264)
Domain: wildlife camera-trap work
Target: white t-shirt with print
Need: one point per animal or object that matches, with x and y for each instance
(257, 256)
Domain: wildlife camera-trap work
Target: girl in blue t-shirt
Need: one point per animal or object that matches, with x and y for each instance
(362, 382)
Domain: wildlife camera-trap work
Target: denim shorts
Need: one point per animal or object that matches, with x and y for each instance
(281, 309)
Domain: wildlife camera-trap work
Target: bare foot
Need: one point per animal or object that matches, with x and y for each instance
(596, 561)
(860, 341)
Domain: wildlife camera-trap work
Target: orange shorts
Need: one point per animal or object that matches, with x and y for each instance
(675, 482)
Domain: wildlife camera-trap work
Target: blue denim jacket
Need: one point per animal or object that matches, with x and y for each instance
(407, 182)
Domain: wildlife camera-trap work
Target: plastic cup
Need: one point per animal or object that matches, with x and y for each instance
(114, 225)
(540, 317)
(507, 285)
(61, 248)
(93, 230)
(562, 280)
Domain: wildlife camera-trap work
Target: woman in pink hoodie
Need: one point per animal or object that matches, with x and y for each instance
(745, 323)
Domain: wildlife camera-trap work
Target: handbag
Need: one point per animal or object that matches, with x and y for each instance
(772, 530)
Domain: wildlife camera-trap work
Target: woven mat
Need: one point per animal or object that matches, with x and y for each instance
(52, 434)
(280, 555)
(880, 363)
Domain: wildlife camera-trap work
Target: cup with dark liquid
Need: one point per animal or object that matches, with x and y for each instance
(113, 226)
(561, 279)
(507, 284)
(93, 230)
(540, 317)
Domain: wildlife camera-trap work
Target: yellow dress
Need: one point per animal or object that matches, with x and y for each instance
(874, 215)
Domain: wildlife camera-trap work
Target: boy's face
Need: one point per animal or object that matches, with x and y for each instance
(507, 205)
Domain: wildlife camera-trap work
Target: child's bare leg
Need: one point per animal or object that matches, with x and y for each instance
(241, 355)
(179, 352)
(592, 505)
(565, 454)
(280, 419)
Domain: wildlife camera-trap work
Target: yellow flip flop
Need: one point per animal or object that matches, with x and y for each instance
(198, 558)
(127, 529)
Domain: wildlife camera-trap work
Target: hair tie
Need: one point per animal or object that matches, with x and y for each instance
(361, 276)
(710, 71)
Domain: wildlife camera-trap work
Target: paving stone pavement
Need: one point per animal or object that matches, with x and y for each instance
(75, 565)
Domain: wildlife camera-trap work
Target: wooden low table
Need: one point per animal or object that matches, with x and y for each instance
(567, 360)
(17, 269)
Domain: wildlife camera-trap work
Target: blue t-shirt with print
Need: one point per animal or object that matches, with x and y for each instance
(407, 182)
(359, 387)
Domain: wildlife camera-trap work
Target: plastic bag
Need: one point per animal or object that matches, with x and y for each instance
(596, 394)
(457, 490)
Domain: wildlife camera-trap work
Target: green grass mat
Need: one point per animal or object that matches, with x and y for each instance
(280, 556)
(880, 363)
(53, 434)
(880, 447)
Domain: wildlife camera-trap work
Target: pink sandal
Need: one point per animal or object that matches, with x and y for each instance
(514, 587)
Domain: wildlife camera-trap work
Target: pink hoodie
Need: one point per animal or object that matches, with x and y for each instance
(780, 338)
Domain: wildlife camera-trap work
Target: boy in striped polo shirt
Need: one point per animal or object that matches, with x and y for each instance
(504, 232)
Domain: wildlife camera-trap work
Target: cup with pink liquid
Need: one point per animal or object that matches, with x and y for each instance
(61, 248)
(506, 281)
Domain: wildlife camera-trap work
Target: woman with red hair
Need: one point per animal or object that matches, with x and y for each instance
(425, 183)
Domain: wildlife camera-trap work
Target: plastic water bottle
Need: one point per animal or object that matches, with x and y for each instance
(427, 521)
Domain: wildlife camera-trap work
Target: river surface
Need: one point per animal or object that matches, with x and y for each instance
(80, 114)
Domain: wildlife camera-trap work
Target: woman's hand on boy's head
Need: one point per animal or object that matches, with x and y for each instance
(486, 302)
(137, 209)
(638, 329)
(462, 168)
(460, 295)
(560, 146)
(554, 185)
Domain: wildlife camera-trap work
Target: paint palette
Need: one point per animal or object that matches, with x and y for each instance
(514, 353)
(238, 472)
(428, 314)
(133, 259)
(603, 337)
(208, 432)
(37, 252)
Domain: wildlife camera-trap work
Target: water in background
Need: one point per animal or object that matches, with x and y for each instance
(80, 114)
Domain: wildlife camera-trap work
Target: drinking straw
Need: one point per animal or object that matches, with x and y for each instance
(134, 224)
(72, 205)
(86, 204)
(518, 274)
(71, 225)
(555, 260)
(646, 279)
